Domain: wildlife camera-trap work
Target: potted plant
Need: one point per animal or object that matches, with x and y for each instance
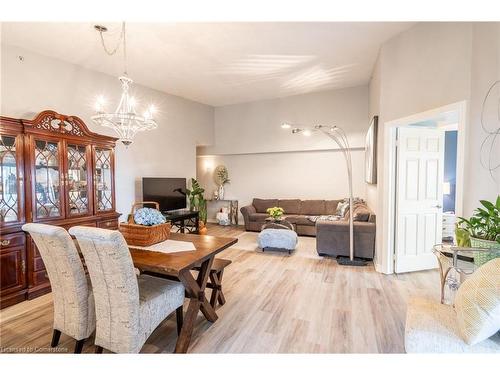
(276, 213)
(482, 230)
(197, 202)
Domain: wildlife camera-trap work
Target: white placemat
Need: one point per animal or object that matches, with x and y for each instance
(168, 246)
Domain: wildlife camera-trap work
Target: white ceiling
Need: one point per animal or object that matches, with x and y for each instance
(220, 63)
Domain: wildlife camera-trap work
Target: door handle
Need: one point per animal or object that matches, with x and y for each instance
(438, 206)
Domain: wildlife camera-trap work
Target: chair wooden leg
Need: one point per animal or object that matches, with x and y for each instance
(179, 314)
(79, 346)
(98, 349)
(56, 335)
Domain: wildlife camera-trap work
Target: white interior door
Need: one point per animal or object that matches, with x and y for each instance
(419, 197)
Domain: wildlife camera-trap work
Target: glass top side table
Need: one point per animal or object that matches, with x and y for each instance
(462, 260)
(277, 224)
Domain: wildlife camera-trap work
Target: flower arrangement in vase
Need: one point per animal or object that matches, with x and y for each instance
(276, 213)
(221, 177)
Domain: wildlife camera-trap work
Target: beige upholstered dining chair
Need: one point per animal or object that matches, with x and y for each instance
(74, 313)
(128, 307)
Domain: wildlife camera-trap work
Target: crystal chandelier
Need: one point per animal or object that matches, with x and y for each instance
(124, 120)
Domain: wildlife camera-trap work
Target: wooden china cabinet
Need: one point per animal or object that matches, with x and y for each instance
(53, 170)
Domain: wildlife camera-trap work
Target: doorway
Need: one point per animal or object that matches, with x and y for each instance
(425, 165)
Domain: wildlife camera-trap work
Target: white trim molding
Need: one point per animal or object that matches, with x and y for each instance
(385, 257)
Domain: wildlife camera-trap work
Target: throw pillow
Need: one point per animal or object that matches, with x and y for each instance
(342, 208)
(477, 303)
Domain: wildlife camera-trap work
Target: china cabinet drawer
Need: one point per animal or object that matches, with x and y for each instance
(11, 240)
(108, 224)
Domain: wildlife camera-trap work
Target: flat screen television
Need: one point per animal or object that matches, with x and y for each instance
(170, 193)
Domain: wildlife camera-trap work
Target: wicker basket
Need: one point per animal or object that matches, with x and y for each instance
(143, 235)
(481, 258)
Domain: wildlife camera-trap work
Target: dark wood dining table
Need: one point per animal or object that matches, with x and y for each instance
(178, 266)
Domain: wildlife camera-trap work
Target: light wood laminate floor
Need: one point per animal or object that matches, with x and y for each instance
(276, 303)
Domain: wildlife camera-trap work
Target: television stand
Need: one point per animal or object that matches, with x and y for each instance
(183, 220)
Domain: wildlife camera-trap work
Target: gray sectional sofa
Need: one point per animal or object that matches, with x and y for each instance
(332, 236)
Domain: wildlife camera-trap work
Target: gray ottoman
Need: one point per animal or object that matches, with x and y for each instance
(277, 240)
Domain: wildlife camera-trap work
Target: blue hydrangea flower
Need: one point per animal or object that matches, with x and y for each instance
(148, 216)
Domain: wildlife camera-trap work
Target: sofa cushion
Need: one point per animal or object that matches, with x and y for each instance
(259, 217)
(331, 207)
(299, 220)
(261, 205)
(290, 206)
(431, 327)
(477, 303)
(312, 207)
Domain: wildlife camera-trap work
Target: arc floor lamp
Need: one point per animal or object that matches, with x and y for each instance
(339, 136)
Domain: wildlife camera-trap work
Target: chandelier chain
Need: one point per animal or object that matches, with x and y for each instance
(124, 49)
(113, 51)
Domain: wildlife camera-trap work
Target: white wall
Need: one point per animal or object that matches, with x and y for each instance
(40, 83)
(255, 127)
(485, 70)
(374, 110)
(268, 162)
(426, 67)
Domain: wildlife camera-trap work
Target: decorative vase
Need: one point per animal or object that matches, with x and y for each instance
(202, 229)
(481, 258)
(221, 192)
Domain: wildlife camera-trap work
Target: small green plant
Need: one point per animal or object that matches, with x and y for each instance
(197, 200)
(275, 212)
(484, 224)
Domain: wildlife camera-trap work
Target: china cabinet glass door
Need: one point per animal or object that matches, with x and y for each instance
(103, 179)
(10, 181)
(47, 179)
(78, 195)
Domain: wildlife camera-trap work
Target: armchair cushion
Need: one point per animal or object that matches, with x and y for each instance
(432, 327)
(477, 303)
